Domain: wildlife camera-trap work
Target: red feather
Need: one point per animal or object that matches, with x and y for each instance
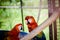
(13, 34)
(32, 25)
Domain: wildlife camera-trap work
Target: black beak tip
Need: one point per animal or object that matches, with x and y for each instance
(28, 22)
(21, 28)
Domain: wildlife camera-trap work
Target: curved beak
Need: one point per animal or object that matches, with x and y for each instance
(21, 28)
(27, 22)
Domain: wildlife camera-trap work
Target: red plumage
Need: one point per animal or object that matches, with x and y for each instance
(31, 23)
(13, 34)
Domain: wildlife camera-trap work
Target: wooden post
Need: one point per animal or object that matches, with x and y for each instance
(54, 23)
(50, 8)
(59, 7)
(55, 30)
(59, 3)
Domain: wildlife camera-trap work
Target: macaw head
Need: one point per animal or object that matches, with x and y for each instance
(30, 19)
(18, 27)
(15, 31)
(31, 23)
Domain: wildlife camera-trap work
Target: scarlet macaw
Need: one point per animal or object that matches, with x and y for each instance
(13, 34)
(31, 23)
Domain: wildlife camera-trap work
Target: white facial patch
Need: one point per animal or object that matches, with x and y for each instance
(19, 27)
(30, 20)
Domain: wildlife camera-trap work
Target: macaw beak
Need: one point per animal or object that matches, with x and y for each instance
(21, 28)
(27, 22)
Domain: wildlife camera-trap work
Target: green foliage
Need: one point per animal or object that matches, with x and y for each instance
(10, 3)
(10, 17)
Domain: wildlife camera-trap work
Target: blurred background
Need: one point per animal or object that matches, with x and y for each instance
(10, 13)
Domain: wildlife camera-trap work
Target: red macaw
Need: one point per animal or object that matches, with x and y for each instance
(13, 34)
(32, 24)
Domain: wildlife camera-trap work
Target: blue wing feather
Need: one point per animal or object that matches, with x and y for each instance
(22, 34)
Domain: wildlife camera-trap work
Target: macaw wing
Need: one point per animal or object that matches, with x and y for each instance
(38, 37)
(41, 36)
(22, 34)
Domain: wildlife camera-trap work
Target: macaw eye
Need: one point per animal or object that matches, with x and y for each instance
(29, 20)
(20, 27)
